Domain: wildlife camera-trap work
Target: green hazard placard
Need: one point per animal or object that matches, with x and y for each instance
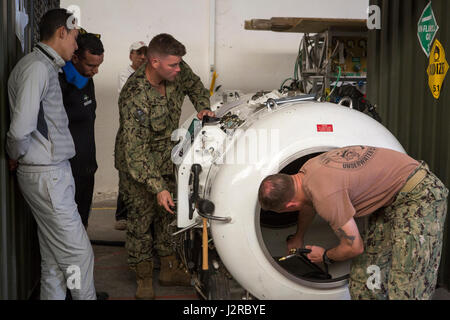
(427, 29)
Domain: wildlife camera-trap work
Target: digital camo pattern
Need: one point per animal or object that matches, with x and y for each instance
(147, 120)
(143, 210)
(143, 156)
(405, 242)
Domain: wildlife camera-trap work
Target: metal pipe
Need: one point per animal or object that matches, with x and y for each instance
(272, 103)
(197, 222)
(206, 209)
(211, 217)
(346, 99)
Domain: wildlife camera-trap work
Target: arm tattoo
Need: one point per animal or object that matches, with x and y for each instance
(341, 234)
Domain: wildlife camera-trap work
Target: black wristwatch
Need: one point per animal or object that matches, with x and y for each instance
(325, 258)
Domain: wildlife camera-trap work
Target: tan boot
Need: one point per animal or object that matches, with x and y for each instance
(173, 273)
(144, 275)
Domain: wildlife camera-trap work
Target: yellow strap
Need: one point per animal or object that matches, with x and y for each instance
(413, 181)
(213, 83)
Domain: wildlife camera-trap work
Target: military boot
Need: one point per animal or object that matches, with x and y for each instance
(144, 274)
(173, 273)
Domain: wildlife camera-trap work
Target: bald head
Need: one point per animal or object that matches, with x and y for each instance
(276, 191)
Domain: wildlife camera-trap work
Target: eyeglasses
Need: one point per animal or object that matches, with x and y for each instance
(83, 31)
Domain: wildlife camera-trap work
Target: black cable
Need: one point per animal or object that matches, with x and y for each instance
(106, 243)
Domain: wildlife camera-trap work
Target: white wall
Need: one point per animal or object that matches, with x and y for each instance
(245, 60)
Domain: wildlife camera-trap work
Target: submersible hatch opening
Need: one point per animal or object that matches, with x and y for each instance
(277, 227)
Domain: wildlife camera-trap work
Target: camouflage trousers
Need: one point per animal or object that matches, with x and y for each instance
(402, 245)
(143, 211)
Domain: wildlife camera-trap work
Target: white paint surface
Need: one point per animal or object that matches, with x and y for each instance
(245, 60)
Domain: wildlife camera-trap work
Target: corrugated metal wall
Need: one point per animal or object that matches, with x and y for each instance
(398, 84)
(19, 248)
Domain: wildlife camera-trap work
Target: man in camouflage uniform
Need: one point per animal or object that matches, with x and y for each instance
(398, 255)
(405, 241)
(150, 109)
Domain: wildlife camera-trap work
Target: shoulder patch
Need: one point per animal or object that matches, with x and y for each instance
(140, 116)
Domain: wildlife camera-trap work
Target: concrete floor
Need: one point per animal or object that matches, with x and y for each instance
(113, 276)
(111, 272)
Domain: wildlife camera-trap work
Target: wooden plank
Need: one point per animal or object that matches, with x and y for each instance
(304, 25)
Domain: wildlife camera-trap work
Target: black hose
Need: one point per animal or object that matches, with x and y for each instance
(106, 243)
(196, 169)
(324, 273)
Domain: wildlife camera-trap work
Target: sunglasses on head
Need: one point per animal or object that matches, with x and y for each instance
(83, 31)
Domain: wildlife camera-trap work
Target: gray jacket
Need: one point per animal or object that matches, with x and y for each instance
(38, 133)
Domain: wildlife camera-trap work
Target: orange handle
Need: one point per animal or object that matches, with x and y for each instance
(205, 244)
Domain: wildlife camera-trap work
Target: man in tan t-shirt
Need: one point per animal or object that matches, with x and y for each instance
(407, 205)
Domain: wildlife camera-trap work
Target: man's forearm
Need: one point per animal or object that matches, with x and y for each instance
(350, 244)
(141, 172)
(198, 94)
(305, 218)
(201, 103)
(25, 99)
(341, 253)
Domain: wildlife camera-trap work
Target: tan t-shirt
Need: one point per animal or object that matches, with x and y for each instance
(354, 181)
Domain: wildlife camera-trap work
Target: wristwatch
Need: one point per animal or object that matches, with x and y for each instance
(325, 258)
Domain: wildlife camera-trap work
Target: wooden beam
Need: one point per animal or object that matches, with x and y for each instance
(304, 25)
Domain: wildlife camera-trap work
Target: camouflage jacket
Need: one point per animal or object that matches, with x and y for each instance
(147, 120)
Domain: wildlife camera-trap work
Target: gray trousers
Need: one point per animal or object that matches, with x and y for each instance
(66, 252)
